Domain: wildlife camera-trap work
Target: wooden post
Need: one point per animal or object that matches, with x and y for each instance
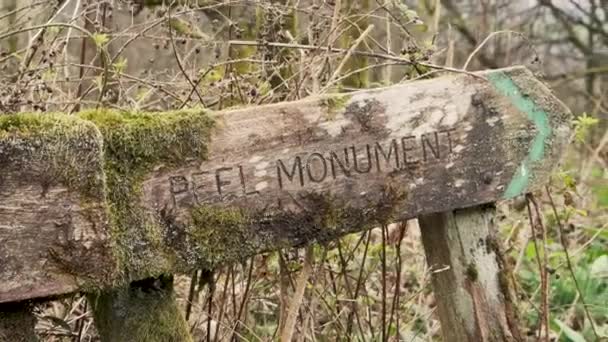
(469, 275)
(144, 311)
(17, 322)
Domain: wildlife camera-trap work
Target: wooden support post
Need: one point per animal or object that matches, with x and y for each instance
(470, 279)
(17, 322)
(145, 311)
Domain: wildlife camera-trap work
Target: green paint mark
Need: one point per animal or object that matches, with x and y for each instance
(505, 86)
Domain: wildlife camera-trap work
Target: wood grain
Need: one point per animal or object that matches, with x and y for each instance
(53, 236)
(470, 277)
(314, 170)
(441, 144)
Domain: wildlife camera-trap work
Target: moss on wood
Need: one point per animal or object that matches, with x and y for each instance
(145, 243)
(213, 235)
(334, 104)
(144, 311)
(219, 234)
(54, 148)
(17, 322)
(134, 145)
(472, 272)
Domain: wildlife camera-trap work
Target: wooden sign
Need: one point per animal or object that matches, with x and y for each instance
(89, 200)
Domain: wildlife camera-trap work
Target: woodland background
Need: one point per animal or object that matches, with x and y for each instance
(155, 55)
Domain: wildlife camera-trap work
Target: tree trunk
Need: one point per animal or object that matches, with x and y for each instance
(470, 278)
(17, 323)
(146, 311)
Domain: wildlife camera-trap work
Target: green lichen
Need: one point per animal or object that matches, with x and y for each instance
(144, 311)
(134, 145)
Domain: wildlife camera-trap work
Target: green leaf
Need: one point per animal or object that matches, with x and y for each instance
(568, 179)
(54, 30)
(410, 14)
(530, 251)
(602, 195)
(120, 65)
(571, 334)
(582, 126)
(101, 39)
(599, 267)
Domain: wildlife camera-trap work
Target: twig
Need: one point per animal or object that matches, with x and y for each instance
(243, 300)
(23, 8)
(569, 262)
(541, 269)
(296, 301)
(69, 34)
(236, 334)
(545, 293)
(403, 226)
(349, 53)
(355, 294)
(398, 22)
(401, 60)
(191, 293)
(490, 36)
(133, 78)
(81, 70)
(48, 25)
(165, 19)
(383, 335)
(42, 30)
(179, 62)
(222, 305)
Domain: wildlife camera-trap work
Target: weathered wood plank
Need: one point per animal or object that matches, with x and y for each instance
(179, 196)
(52, 207)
